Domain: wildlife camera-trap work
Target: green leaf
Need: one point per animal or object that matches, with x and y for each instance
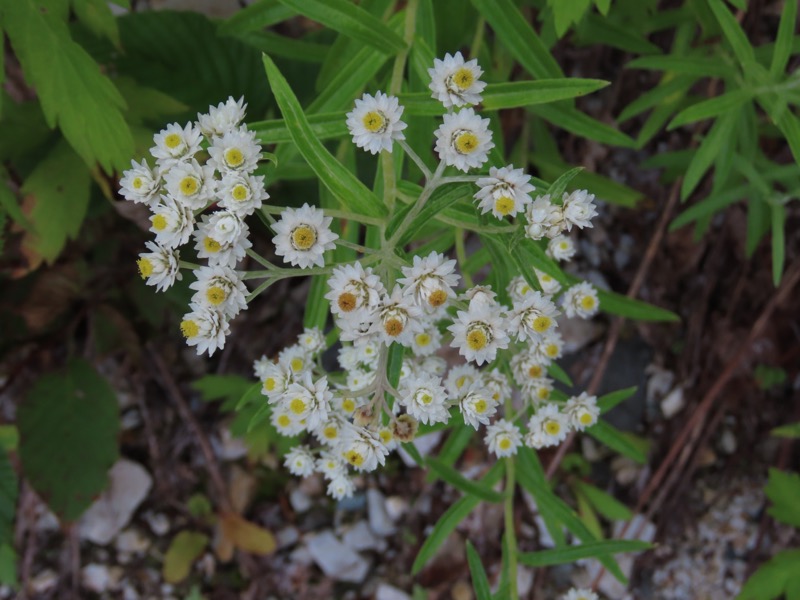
(597, 30)
(714, 142)
(616, 304)
(222, 387)
(316, 305)
(790, 128)
(616, 440)
(8, 499)
(451, 518)
(784, 39)
(58, 193)
(258, 15)
(284, 46)
(515, 33)
(576, 122)
(74, 94)
(774, 577)
(567, 12)
(609, 401)
(98, 18)
(324, 127)
(336, 177)
(733, 32)
(351, 20)
(394, 364)
(71, 414)
(560, 185)
(783, 489)
(699, 65)
(8, 565)
(185, 548)
(787, 431)
(778, 242)
(458, 481)
(608, 506)
(527, 93)
(454, 445)
(713, 107)
(480, 583)
(560, 556)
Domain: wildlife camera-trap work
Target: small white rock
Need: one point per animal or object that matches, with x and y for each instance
(43, 582)
(299, 500)
(288, 536)
(360, 537)
(158, 522)
(727, 442)
(673, 403)
(100, 578)
(396, 507)
(379, 520)
(337, 560)
(229, 447)
(132, 541)
(387, 592)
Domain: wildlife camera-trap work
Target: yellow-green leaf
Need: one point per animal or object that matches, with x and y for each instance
(186, 547)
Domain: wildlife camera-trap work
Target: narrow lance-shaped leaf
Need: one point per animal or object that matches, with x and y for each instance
(560, 556)
(480, 583)
(712, 107)
(458, 481)
(733, 32)
(783, 42)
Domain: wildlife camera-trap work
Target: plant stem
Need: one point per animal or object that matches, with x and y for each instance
(477, 41)
(187, 265)
(511, 536)
(431, 185)
(459, 179)
(417, 160)
(461, 255)
(259, 289)
(356, 247)
(259, 259)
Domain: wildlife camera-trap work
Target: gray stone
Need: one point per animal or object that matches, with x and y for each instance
(337, 560)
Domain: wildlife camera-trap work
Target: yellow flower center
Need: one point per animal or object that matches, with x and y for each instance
(137, 183)
(545, 278)
(481, 406)
(145, 267)
(478, 336)
(374, 121)
(504, 205)
(303, 237)
(393, 327)
(297, 406)
(466, 142)
(535, 371)
(543, 393)
(211, 245)
(504, 444)
(552, 427)
(551, 350)
(354, 457)
(386, 436)
(234, 157)
(189, 185)
(216, 295)
(330, 432)
(348, 405)
(542, 324)
(240, 192)
(587, 302)
(564, 245)
(347, 302)
(425, 398)
(437, 298)
(284, 420)
(269, 384)
(586, 419)
(189, 328)
(463, 380)
(463, 78)
(423, 339)
(172, 141)
(159, 222)
(297, 364)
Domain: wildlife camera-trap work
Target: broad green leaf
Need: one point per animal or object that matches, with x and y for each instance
(715, 141)
(185, 548)
(609, 401)
(8, 565)
(451, 518)
(617, 304)
(258, 15)
(713, 107)
(774, 577)
(74, 94)
(480, 583)
(576, 122)
(515, 33)
(71, 414)
(458, 481)
(783, 41)
(733, 32)
(336, 177)
(778, 242)
(787, 431)
(57, 194)
(560, 556)
(783, 490)
(612, 437)
(98, 18)
(351, 20)
(608, 506)
(439, 202)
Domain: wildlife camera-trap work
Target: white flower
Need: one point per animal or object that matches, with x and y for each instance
(477, 406)
(295, 359)
(527, 367)
(375, 122)
(398, 319)
(140, 184)
(275, 379)
(363, 450)
(550, 284)
(222, 238)
(312, 340)
(303, 236)
(159, 266)
(463, 140)
(354, 288)
(497, 383)
(460, 378)
(505, 192)
(518, 288)
(384, 432)
(538, 389)
(581, 300)
(360, 327)
(579, 209)
(455, 82)
(334, 430)
(582, 411)
(358, 379)
(548, 347)
(341, 487)
(346, 404)
(204, 328)
(560, 248)
(427, 341)
(172, 222)
(190, 184)
(219, 288)
(532, 317)
(330, 465)
(425, 399)
(430, 280)
(503, 438)
(479, 333)
(222, 118)
(548, 427)
(286, 423)
(545, 219)
(308, 401)
(241, 193)
(299, 461)
(235, 151)
(579, 594)
(175, 144)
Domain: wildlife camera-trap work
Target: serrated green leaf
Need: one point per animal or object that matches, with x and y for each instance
(560, 556)
(98, 18)
(451, 519)
(783, 490)
(515, 33)
(458, 481)
(576, 122)
(260, 14)
(71, 414)
(339, 180)
(784, 39)
(608, 506)
(612, 437)
(58, 192)
(480, 583)
(773, 578)
(713, 107)
(351, 20)
(733, 32)
(185, 548)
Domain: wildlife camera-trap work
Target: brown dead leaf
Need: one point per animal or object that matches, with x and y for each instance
(245, 535)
